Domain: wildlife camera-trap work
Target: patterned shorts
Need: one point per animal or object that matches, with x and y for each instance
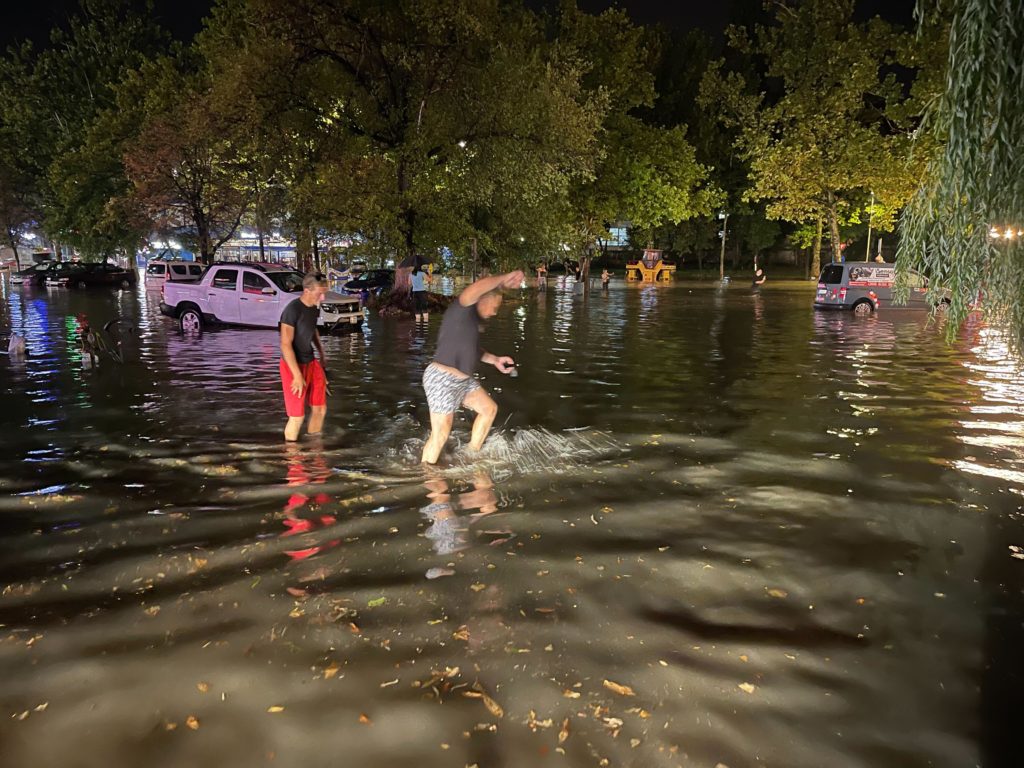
(445, 391)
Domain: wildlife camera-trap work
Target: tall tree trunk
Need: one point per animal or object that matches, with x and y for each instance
(316, 253)
(303, 262)
(833, 224)
(263, 255)
(816, 255)
(203, 233)
(14, 247)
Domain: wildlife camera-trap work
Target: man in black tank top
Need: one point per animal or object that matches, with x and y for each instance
(448, 380)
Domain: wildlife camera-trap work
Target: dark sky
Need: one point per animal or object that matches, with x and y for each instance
(33, 19)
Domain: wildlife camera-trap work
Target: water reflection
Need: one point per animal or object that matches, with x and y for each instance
(762, 520)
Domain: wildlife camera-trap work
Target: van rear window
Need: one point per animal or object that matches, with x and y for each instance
(832, 274)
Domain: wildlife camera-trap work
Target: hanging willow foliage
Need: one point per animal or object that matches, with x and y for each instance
(955, 228)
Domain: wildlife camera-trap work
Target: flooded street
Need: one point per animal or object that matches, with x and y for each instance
(712, 529)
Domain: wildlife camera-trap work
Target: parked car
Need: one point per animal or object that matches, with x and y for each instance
(251, 295)
(159, 271)
(33, 275)
(376, 281)
(865, 287)
(105, 273)
(63, 273)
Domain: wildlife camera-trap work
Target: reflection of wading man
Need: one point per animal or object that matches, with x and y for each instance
(448, 380)
(302, 375)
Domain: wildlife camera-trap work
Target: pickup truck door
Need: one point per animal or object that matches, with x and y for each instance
(256, 305)
(222, 294)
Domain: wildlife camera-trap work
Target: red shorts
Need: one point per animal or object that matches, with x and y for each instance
(315, 392)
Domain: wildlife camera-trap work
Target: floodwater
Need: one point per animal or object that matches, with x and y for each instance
(712, 529)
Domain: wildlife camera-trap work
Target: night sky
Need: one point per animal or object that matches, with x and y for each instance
(33, 20)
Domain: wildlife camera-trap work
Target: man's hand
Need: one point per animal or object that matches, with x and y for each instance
(513, 279)
(298, 384)
(505, 364)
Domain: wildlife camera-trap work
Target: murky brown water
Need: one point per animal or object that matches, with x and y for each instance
(787, 534)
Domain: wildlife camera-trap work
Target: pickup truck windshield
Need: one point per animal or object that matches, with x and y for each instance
(289, 282)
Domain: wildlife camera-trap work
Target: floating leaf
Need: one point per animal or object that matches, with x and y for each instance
(275, 709)
(622, 690)
(331, 670)
(192, 722)
(477, 587)
(747, 687)
(779, 593)
(564, 733)
(376, 602)
(203, 687)
(365, 720)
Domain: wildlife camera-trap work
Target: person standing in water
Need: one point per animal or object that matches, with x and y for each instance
(302, 374)
(606, 276)
(448, 381)
(419, 293)
(760, 278)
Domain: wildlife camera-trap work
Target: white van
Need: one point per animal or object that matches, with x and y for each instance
(159, 271)
(865, 287)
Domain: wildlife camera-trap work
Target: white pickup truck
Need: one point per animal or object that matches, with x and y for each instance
(251, 295)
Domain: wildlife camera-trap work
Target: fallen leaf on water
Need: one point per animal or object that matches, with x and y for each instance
(192, 722)
(492, 706)
(477, 587)
(170, 726)
(780, 593)
(275, 709)
(472, 694)
(365, 720)
(747, 687)
(622, 690)
(376, 602)
(42, 707)
(564, 733)
(634, 743)
(744, 657)
(153, 610)
(462, 633)
(571, 694)
(296, 592)
(203, 687)
(331, 670)
(389, 682)
(437, 573)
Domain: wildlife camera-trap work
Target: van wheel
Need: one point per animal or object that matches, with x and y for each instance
(191, 322)
(863, 308)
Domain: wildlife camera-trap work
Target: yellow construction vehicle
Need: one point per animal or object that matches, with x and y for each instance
(650, 268)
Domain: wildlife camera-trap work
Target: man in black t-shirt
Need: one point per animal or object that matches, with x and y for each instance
(302, 375)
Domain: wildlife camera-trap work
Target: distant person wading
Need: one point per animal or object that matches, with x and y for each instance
(448, 381)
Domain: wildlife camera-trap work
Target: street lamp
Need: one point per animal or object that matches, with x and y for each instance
(723, 216)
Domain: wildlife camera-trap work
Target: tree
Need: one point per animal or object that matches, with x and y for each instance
(426, 112)
(646, 173)
(963, 227)
(832, 122)
(186, 165)
(61, 92)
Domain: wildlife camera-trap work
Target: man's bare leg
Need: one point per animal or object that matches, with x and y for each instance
(316, 419)
(440, 428)
(486, 409)
(291, 429)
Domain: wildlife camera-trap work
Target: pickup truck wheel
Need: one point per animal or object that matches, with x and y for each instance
(863, 307)
(190, 321)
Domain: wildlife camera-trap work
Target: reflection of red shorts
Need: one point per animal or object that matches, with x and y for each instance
(315, 392)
